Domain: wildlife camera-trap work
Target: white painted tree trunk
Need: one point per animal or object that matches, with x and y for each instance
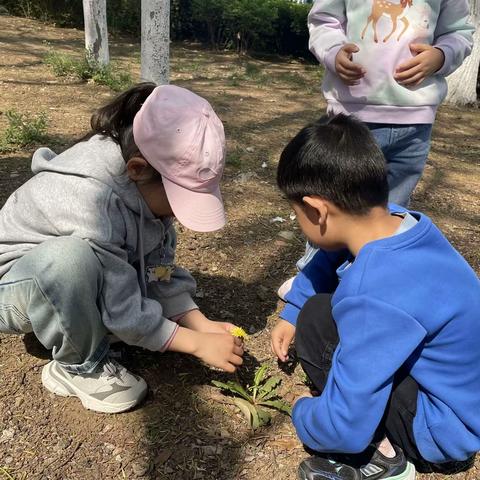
(96, 32)
(462, 84)
(155, 41)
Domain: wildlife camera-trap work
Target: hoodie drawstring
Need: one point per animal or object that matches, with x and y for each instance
(143, 283)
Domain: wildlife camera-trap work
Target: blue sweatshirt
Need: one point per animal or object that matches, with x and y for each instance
(407, 298)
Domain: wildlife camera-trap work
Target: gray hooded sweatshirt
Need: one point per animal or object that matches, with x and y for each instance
(85, 192)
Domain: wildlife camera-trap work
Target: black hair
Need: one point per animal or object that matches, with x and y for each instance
(115, 119)
(337, 159)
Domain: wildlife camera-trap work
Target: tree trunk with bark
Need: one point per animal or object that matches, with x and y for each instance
(96, 32)
(462, 84)
(155, 41)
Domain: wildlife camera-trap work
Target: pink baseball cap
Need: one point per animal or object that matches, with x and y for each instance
(181, 136)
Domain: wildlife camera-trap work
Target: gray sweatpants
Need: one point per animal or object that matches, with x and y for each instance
(53, 291)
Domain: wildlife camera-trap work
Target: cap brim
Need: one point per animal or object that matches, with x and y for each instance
(200, 212)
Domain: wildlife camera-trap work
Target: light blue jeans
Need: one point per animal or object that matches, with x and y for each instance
(53, 291)
(406, 149)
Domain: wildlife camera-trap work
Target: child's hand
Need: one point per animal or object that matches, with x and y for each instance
(426, 62)
(197, 321)
(219, 327)
(282, 336)
(348, 71)
(220, 350)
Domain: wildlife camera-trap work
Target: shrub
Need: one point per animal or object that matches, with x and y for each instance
(85, 69)
(270, 26)
(23, 131)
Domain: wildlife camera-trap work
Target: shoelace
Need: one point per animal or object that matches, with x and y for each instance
(112, 369)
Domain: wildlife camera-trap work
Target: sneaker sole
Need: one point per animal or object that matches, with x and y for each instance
(55, 384)
(408, 474)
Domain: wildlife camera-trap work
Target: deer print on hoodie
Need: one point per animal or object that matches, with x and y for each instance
(384, 31)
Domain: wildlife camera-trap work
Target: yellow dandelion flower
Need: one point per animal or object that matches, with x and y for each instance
(239, 332)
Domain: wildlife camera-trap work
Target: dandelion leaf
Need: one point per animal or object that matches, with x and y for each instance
(264, 417)
(278, 405)
(233, 387)
(269, 388)
(259, 375)
(252, 415)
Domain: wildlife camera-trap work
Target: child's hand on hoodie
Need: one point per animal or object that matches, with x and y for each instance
(426, 62)
(348, 71)
(281, 338)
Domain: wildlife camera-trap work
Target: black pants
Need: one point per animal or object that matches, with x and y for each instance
(316, 339)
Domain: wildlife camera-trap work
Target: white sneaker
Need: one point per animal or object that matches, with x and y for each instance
(110, 389)
(285, 287)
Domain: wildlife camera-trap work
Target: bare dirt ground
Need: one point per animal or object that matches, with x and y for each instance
(185, 430)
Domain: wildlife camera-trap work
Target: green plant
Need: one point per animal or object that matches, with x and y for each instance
(85, 69)
(61, 64)
(234, 158)
(111, 78)
(263, 393)
(5, 473)
(23, 130)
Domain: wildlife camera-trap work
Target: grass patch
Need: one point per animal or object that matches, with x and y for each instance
(248, 72)
(83, 69)
(7, 474)
(193, 67)
(234, 158)
(23, 131)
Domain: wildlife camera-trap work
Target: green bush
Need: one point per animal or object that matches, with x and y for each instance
(86, 69)
(273, 26)
(23, 131)
(270, 26)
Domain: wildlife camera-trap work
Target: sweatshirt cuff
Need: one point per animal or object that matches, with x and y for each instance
(174, 306)
(298, 418)
(169, 341)
(330, 58)
(177, 318)
(160, 339)
(449, 54)
(290, 313)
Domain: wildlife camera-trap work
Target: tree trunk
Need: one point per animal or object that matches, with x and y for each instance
(96, 32)
(462, 84)
(155, 41)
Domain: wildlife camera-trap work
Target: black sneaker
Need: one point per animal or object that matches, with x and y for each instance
(370, 465)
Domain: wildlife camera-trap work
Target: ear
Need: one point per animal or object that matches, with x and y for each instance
(317, 209)
(138, 169)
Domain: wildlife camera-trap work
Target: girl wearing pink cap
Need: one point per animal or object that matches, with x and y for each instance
(87, 245)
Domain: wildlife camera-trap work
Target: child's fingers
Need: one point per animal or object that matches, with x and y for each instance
(405, 66)
(285, 345)
(238, 341)
(277, 348)
(350, 48)
(350, 74)
(414, 81)
(228, 326)
(406, 77)
(348, 67)
(236, 360)
(238, 350)
(228, 367)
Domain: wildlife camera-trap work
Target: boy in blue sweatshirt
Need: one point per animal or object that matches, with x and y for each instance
(386, 319)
